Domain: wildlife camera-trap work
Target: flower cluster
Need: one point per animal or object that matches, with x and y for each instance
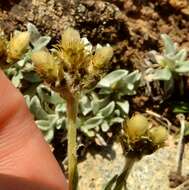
(72, 62)
(141, 135)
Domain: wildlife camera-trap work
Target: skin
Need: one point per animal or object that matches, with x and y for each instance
(26, 161)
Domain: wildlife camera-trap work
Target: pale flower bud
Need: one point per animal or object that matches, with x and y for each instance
(46, 65)
(70, 39)
(158, 135)
(102, 56)
(136, 126)
(18, 45)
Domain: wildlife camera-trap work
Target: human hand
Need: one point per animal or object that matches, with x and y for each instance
(26, 162)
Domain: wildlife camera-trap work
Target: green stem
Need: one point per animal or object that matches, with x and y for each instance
(72, 137)
(122, 179)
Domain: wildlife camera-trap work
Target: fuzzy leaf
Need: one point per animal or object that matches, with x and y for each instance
(117, 112)
(85, 105)
(181, 55)
(116, 120)
(49, 135)
(107, 111)
(36, 109)
(89, 133)
(124, 106)
(97, 103)
(47, 95)
(112, 78)
(162, 74)
(43, 125)
(105, 126)
(41, 42)
(16, 79)
(34, 33)
(182, 66)
(128, 84)
(60, 108)
(170, 46)
(105, 91)
(93, 122)
(61, 123)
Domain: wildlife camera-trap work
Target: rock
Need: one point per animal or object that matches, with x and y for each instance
(150, 173)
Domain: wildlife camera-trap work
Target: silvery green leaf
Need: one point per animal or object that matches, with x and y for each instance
(181, 55)
(41, 42)
(43, 125)
(105, 91)
(88, 45)
(107, 111)
(117, 112)
(116, 120)
(161, 74)
(182, 66)
(170, 46)
(89, 133)
(55, 99)
(60, 108)
(49, 135)
(32, 77)
(34, 33)
(36, 109)
(111, 79)
(93, 122)
(128, 84)
(124, 105)
(104, 126)
(85, 105)
(21, 62)
(133, 77)
(61, 123)
(97, 103)
(16, 79)
(47, 95)
(27, 99)
(10, 71)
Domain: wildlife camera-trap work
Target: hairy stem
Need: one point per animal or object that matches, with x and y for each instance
(122, 179)
(72, 135)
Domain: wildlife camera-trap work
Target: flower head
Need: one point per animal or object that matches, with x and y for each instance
(17, 46)
(136, 126)
(46, 65)
(157, 134)
(102, 56)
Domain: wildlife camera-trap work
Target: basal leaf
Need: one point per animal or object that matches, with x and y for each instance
(112, 78)
(170, 46)
(124, 105)
(162, 74)
(107, 111)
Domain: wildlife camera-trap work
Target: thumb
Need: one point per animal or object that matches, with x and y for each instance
(23, 151)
